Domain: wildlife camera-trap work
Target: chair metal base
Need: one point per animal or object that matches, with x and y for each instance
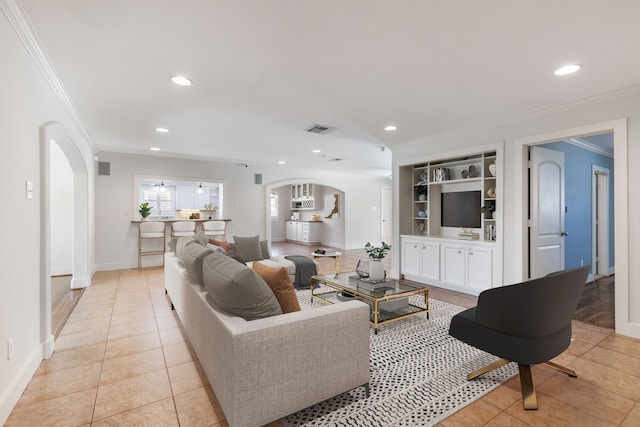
(529, 398)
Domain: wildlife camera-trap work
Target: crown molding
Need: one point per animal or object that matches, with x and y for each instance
(586, 145)
(541, 112)
(17, 17)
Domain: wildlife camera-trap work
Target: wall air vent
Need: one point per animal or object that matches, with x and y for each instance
(321, 129)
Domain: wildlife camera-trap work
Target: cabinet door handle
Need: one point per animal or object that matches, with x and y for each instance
(470, 252)
(459, 251)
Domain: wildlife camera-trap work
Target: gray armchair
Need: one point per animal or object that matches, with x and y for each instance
(528, 323)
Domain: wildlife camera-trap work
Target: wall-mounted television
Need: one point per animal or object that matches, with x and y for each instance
(461, 209)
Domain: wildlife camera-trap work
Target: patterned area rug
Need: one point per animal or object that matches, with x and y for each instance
(418, 376)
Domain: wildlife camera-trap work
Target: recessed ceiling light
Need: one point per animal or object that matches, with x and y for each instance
(162, 130)
(317, 151)
(282, 162)
(390, 128)
(154, 149)
(181, 80)
(567, 69)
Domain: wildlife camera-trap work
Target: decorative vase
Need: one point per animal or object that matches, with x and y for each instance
(492, 168)
(363, 268)
(422, 197)
(376, 271)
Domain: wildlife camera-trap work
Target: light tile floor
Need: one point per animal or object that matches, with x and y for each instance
(122, 359)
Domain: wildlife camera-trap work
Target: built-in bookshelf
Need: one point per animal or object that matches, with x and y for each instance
(471, 173)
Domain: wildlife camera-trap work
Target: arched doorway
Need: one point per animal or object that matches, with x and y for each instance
(81, 274)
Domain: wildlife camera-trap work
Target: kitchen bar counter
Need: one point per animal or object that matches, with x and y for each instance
(170, 220)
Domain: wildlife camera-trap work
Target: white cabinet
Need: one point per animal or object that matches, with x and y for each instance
(302, 197)
(189, 198)
(467, 265)
(450, 263)
(307, 232)
(421, 259)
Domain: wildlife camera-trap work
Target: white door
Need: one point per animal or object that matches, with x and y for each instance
(547, 206)
(385, 215)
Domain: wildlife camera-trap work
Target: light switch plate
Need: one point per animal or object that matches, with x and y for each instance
(29, 190)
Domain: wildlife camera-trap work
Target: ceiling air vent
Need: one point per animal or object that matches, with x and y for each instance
(321, 129)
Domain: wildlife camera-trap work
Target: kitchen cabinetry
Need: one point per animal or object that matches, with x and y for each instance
(189, 198)
(307, 232)
(454, 264)
(302, 196)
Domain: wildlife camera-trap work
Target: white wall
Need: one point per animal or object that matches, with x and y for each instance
(61, 213)
(246, 202)
(26, 104)
(581, 114)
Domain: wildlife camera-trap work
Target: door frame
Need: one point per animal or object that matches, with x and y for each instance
(601, 243)
(621, 202)
(383, 190)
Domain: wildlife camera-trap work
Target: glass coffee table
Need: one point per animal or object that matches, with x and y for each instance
(389, 301)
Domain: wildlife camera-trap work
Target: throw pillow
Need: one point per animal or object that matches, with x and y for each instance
(192, 257)
(237, 289)
(172, 245)
(182, 243)
(280, 283)
(264, 248)
(202, 237)
(248, 248)
(224, 245)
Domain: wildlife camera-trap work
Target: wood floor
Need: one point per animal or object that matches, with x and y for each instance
(597, 306)
(63, 301)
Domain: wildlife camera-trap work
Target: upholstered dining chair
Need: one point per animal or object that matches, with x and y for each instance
(528, 323)
(148, 230)
(183, 228)
(215, 229)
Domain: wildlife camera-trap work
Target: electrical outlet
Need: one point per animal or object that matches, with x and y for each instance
(10, 349)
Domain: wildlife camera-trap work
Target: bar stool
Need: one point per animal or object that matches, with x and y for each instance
(216, 229)
(183, 228)
(146, 231)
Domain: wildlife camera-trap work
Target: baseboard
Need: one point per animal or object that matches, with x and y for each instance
(590, 278)
(81, 282)
(612, 271)
(61, 271)
(19, 383)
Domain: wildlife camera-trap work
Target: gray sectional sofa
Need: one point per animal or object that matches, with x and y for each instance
(264, 369)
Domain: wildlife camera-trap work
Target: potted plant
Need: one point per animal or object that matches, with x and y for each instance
(488, 210)
(377, 254)
(421, 192)
(145, 209)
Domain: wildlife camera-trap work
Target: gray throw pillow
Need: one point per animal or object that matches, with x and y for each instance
(264, 248)
(237, 289)
(192, 257)
(200, 236)
(248, 248)
(182, 243)
(172, 245)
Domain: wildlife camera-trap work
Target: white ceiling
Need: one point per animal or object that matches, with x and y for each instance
(264, 71)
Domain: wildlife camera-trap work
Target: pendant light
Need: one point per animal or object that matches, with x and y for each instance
(200, 190)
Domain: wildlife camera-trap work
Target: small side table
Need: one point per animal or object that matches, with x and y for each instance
(333, 255)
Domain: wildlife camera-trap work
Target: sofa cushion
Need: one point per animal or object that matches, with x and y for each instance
(237, 289)
(248, 248)
(182, 243)
(202, 238)
(192, 257)
(224, 245)
(280, 283)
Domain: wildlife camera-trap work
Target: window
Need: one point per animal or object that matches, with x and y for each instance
(162, 202)
(274, 205)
